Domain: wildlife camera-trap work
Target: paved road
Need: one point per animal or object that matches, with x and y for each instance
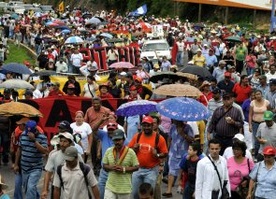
(8, 176)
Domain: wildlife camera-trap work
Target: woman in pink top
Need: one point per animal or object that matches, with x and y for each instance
(238, 167)
(256, 113)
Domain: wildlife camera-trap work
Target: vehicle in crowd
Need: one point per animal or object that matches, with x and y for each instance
(155, 49)
(46, 8)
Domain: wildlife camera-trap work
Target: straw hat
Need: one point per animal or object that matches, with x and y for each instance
(3, 185)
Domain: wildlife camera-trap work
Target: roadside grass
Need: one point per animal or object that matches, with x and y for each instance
(19, 54)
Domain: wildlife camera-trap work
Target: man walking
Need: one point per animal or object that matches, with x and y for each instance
(120, 162)
(32, 147)
(211, 173)
(75, 182)
(225, 123)
(150, 148)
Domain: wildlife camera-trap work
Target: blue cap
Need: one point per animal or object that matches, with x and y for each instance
(30, 126)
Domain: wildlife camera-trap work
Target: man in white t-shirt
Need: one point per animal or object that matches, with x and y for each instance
(76, 59)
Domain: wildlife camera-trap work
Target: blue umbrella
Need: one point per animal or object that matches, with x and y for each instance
(65, 31)
(94, 21)
(17, 68)
(74, 40)
(14, 16)
(182, 109)
(138, 107)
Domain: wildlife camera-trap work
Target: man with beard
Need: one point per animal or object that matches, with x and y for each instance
(150, 148)
(120, 162)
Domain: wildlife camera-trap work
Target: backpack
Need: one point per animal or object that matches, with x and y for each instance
(156, 139)
(85, 170)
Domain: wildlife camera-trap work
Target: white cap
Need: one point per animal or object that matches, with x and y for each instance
(239, 136)
(205, 45)
(123, 74)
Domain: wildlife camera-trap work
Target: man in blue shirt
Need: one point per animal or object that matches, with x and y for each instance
(32, 146)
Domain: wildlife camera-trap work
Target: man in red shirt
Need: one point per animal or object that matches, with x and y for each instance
(54, 90)
(150, 148)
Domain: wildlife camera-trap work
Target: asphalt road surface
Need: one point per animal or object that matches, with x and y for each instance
(8, 176)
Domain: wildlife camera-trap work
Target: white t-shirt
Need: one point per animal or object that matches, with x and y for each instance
(84, 130)
(76, 59)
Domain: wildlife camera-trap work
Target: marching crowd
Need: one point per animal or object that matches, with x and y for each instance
(230, 155)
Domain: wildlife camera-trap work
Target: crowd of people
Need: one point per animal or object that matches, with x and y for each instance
(231, 151)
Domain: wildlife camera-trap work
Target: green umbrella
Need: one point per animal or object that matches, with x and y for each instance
(14, 16)
(233, 39)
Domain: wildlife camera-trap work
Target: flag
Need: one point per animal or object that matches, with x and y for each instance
(139, 11)
(61, 6)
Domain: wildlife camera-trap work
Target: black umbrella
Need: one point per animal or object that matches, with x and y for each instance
(164, 76)
(197, 70)
(44, 73)
(16, 68)
(199, 25)
(233, 39)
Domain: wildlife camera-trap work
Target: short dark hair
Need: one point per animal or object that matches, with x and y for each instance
(145, 188)
(196, 147)
(240, 145)
(214, 141)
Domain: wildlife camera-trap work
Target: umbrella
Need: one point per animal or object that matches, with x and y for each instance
(44, 73)
(86, 15)
(182, 109)
(107, 35)
(18, 108)
(137, 107)
(74, 40)
(14, 16)
(144, 25)
(178, 90)
(16, 68)
(233, 39)
(16, 84)
(101, 19)
(38, 14)
(197, 70)
(121, 64)
(66, 31)
(164, 75)
(187, 75)
(93, 20)
(199, 25)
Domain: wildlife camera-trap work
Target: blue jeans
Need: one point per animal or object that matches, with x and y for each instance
(30, 181)
(179, 58)
(188, 191)
(141, 176)
(18, 187)
(102, 182)
(256, 144)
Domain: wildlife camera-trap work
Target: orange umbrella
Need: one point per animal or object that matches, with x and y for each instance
(178, 90)
(19, 108)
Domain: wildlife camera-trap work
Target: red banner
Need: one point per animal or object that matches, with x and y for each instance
(55, 110)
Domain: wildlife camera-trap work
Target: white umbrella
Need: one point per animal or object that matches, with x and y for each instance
(74, 40)
(16, 84)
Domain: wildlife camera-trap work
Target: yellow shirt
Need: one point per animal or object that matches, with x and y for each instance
(199, 60)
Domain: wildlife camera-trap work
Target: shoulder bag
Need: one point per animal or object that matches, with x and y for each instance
(224, 191)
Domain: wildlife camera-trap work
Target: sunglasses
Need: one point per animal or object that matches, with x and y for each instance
(111, 125)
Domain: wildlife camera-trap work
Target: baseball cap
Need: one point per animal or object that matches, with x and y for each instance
(112, 126)
(156, 66)
(205, 45)
(133, 88)
(118, 134)
(7, 90)
(66, 135)
(30, 126)
(227, 74)
(147, 119)
(70, 153)
(71, 86)
(23, 120)
(198, 50)
(138, 79)
(123, 74)
(268, 115)
(239, 136)
(64, 125)
(257, 70)
(216, 91)
(269, 150)
(272, 81)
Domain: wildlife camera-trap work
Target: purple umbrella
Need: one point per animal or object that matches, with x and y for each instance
(138, 107)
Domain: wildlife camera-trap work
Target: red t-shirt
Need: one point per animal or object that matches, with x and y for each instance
(242, 92)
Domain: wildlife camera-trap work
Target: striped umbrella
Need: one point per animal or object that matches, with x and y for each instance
(74, 40)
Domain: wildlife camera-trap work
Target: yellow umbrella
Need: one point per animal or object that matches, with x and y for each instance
(18, 108)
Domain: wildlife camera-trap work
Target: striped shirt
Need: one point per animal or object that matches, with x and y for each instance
(31, 158)
(120, 183)
(221, 127)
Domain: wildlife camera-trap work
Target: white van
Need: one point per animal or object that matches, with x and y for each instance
(154, 50)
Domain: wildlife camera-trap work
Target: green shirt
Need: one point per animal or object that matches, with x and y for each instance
(117, 182)
(241, 53)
